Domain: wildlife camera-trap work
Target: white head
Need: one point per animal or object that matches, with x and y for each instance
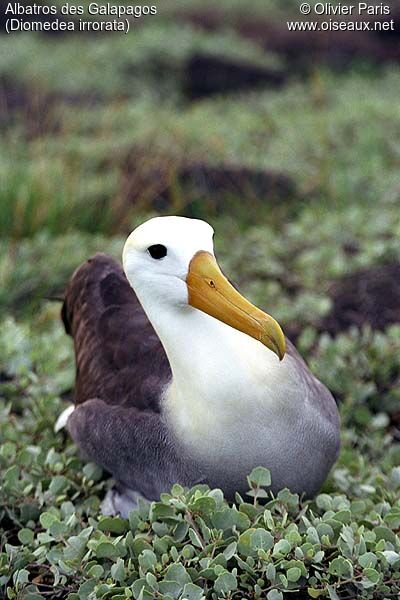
(164, 276)
(170, 263)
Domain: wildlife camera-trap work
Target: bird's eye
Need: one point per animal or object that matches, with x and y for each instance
(157, 251)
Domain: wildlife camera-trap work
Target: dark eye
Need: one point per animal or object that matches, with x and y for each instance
(157, 251)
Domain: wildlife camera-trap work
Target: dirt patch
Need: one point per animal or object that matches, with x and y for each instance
(165, 184)
(368, 297)
(205, 75)
(36, 107)
(304, 50)
(5, 377)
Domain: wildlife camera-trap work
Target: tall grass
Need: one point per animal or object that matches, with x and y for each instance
(96, 168)
(43, 191)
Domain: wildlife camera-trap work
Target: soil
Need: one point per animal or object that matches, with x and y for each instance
(206, 75)
(166, 184)
(305, 50)
(370, 296)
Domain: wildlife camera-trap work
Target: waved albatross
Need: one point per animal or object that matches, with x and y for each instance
(182, 380)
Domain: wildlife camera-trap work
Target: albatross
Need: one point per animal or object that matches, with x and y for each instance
(180, 379)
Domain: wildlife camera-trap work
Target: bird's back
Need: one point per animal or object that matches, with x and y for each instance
(119, 357)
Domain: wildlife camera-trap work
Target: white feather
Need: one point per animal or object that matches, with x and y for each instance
(63, 418)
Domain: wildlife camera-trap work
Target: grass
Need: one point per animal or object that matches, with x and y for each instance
(151, 61)
(100, 162)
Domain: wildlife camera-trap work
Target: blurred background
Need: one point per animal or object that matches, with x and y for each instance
(288, 143)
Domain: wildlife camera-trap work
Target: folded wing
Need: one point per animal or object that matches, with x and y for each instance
(119, 357)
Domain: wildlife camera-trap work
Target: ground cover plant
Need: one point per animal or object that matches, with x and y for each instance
(301, 185)
(193, 544)
(343, 544)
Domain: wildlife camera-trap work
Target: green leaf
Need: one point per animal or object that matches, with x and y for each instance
(96, 571)
(188, 551)
(177, 490)
(391, 557)
(152, 580)
(86, 588)
(147, 560)
(332, 593)
(244, 543)
(274, 595)
(25, 536)
(92, 471)
(293, 574)
(58, 485)
(368, 559)
(47, 519)
(372, 575)
(141, 589)
(204, 505)
(260, 477)
(224, 518)
(225, 583)
(172, 588)
(230, 550)
(11, 477)
(315, 593)
(395, 476)
(194, 538)
(177, 572)
(261, 539)
(344, 516)
(113, 525)
(181, 531)
(106, 550)
(21, 577)
(193, 592)
(29, 512)
(75, 549)
(118, 571)
(341, 567)
(160, 511)
(281, 548)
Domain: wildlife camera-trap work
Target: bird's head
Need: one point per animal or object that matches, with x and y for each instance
(170, 261)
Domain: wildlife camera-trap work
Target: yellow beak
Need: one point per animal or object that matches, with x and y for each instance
(211, 292)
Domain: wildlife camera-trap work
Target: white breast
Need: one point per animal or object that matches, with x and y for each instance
(235, 406)
(232, 406)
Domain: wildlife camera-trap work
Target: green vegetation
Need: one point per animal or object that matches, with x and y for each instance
(151, 63)
(88, 174)
(99, 133)
(191, 544)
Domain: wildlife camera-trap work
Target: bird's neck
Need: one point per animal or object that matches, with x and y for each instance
(205, 352)
(216, 369)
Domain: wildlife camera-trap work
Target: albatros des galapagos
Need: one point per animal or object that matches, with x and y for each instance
(179, 379)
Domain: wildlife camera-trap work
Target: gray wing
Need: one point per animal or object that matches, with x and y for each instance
(134, 446)
(319, 395)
